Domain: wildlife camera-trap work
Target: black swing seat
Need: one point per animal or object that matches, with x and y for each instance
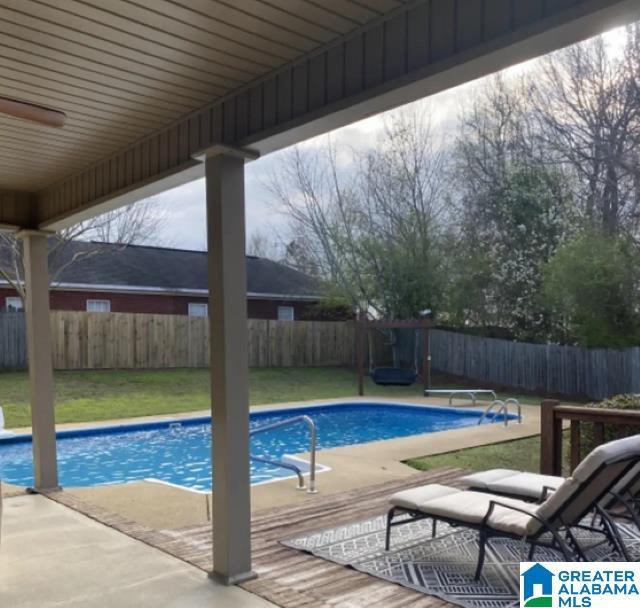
(400, 376)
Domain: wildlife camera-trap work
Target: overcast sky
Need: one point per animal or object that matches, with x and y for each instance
(184, 206)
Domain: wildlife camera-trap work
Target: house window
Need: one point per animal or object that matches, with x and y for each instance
(14, 304)
(98, 305)
(198, 309)
(285, 313)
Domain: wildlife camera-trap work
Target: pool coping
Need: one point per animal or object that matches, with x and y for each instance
(79, 429)
(154, 422)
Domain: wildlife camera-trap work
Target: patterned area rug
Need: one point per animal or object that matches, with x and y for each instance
(443, 566)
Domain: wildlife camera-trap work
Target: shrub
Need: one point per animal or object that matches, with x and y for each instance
(618, 402)
(591, 285)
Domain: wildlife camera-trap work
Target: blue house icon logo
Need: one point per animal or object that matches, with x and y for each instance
(537, 586)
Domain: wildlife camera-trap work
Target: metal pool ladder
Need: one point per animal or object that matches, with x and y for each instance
(503, 408)
(287, 465)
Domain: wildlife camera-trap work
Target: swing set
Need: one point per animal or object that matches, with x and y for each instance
(396, 375)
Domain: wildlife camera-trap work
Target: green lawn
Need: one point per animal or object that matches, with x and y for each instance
(83, 396)
(520, 454)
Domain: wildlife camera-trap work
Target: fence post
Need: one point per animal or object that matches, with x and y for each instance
(426, 358)
(361, 336)
(550, 439)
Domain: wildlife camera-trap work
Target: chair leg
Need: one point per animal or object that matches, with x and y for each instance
(387, 539)
(483, 538)
(613, 535)
(557, 540)
(630, 507)
(573, 544)
(532, 551)
(434, 527)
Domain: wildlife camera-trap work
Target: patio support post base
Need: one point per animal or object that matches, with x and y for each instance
(232, 580)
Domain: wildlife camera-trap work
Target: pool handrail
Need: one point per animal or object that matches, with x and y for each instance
(516, 402)
(313, 435)
(503, 408)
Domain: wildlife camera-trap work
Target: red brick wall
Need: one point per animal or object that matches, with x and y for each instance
(159, 304)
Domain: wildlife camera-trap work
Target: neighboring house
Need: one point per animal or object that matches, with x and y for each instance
(144, 279)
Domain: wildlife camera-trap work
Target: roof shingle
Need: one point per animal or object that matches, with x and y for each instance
(171, 269)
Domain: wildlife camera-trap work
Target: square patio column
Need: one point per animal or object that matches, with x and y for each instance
(45, 465)
(229, 367)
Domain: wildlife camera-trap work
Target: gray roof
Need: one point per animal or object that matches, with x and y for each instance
(171, 269)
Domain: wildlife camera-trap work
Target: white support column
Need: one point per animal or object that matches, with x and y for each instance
(229, 367)
(45, 466)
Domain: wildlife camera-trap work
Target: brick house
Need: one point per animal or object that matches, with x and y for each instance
(159, 280)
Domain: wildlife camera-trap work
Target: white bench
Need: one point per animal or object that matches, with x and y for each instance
(471, 393)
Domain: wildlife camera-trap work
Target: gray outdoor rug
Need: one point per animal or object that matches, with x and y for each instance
(443, 566)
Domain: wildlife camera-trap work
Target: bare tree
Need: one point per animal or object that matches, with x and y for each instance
(317, 200)
(264, 243)
(369, 221)
(137, 224)
(587, 101)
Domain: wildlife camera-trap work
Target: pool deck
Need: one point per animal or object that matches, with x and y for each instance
(286, 577)
(162, 506)
(53, 556)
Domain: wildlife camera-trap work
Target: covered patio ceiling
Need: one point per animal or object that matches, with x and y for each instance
(148, 84)
(121, 70)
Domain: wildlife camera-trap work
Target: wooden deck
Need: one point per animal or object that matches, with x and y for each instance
(287, 577)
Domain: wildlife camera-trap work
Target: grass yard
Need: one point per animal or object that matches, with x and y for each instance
(108, 394)
(84, 396)
(520, 455)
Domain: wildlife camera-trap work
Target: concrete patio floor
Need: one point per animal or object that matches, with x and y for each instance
(53, 556)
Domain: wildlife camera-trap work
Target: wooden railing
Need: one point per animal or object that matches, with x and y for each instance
(553, 416)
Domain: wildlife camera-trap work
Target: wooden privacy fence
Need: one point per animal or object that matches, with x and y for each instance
(82, 340)
(563, 370)
(13, 347)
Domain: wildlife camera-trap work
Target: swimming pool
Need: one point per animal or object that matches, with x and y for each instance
(179, 451)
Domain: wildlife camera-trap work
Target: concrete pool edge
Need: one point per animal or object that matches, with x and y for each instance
(304, 466)
(416, 400)
(79, 429)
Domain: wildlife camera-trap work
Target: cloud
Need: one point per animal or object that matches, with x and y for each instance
(184, 208)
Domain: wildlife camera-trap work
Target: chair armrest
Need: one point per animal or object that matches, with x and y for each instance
(495, 503)
(546, 490)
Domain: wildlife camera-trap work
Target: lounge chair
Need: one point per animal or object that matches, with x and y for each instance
(536, 487)
(498, 516)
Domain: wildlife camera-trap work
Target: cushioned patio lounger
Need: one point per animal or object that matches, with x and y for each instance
(533, 486)
(498, 516)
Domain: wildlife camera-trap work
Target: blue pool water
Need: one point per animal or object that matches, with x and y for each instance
(181, 453)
